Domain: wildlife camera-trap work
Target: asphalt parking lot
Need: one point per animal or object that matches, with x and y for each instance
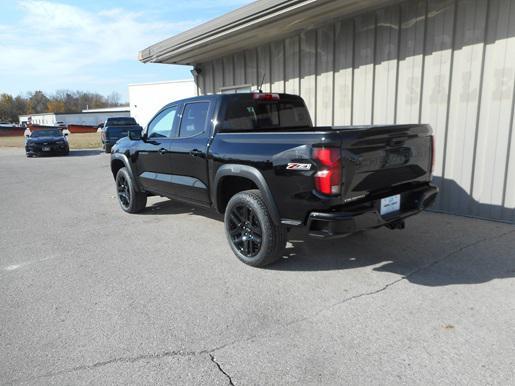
(90, 294)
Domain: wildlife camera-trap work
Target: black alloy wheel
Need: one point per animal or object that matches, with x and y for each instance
(245, 230)
(131, 200)
(124, 192)
(252, 234)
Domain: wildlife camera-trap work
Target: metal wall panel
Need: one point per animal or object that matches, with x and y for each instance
(364, 69)
(228, 64)
(449, 63)
(308, 50)
(208, 83)
(437, 67)
(264, 70)
(456, 154)
(410, 61)
(239, 68)
(277, 52)
(292, 65)
(324, 65)
(251, 68)
(387, 49)
(509, 188)
(218, 74)
(343, 71)
(495, 112)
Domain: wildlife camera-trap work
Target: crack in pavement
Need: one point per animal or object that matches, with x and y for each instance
(402, 278)
(134, 359)
(166, 354)
(371, 293)
(220, 368)
(151, 356)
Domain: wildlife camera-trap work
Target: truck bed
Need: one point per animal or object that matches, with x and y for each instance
(375, 160)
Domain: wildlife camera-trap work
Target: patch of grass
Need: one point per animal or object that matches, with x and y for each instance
(77, 141)
(85, 141)
(12, 141)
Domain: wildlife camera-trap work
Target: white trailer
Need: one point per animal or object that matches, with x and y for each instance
(92, 117)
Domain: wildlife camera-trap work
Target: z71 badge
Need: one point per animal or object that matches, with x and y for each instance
(296, 166)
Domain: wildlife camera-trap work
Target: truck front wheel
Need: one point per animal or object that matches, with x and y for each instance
(252, 235)
(129, 198)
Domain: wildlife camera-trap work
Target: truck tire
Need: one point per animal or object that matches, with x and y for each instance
(107, 148)
(130, 200)
(252, 235)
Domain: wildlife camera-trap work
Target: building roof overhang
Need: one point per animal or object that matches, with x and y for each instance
(249, 26)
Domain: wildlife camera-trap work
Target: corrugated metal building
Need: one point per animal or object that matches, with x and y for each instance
(450, 63)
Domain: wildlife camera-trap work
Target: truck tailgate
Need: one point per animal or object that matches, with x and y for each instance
(377, 158)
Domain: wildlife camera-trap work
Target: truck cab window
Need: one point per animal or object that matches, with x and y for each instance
(253, 115)
(193, 119)
(162, 125)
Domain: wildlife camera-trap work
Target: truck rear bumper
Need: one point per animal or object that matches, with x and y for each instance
(368, 216)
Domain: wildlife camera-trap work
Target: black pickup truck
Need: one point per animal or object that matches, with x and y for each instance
(257, 158)
(115, 128)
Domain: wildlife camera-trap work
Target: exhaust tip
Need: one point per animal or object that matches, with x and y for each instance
(399, 224)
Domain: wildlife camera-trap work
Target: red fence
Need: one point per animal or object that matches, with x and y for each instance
(11, 132)
(18, 131)
(82, 129)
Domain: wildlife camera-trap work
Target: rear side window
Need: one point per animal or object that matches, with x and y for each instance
(255, 114)
(194, 119)
(162, 125)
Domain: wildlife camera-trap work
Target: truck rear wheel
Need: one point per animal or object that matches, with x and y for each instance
(252, 235)
(129, 198)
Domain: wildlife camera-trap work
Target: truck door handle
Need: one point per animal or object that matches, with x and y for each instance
(163, 151)
(196, 153)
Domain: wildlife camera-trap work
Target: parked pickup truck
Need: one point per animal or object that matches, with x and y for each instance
(115, 128)
(258, 159)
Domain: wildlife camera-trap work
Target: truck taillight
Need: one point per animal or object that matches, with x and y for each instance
(328, 178)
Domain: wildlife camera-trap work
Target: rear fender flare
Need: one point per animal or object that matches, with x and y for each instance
(255, 176)
(122, 157)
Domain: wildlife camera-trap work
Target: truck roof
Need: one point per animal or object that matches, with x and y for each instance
(216, 97)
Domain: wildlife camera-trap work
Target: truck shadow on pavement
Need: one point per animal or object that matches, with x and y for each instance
(171, 207)
(84, 152)
(434, 249)
(471, 261)
(427, 252)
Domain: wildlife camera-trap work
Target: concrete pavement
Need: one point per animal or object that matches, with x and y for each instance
(90, 294)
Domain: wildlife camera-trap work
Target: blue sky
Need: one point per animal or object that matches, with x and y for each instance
(92, 45)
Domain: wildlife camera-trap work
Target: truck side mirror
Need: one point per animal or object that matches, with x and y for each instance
(135, 135)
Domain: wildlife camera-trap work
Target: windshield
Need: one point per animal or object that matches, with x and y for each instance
(47, 133)
(250, 114)
(122, 121)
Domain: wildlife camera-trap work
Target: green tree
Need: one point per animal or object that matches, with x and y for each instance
(38, 103)
(62, 101)
(6, 107)
(19, 108)
(55, 106)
